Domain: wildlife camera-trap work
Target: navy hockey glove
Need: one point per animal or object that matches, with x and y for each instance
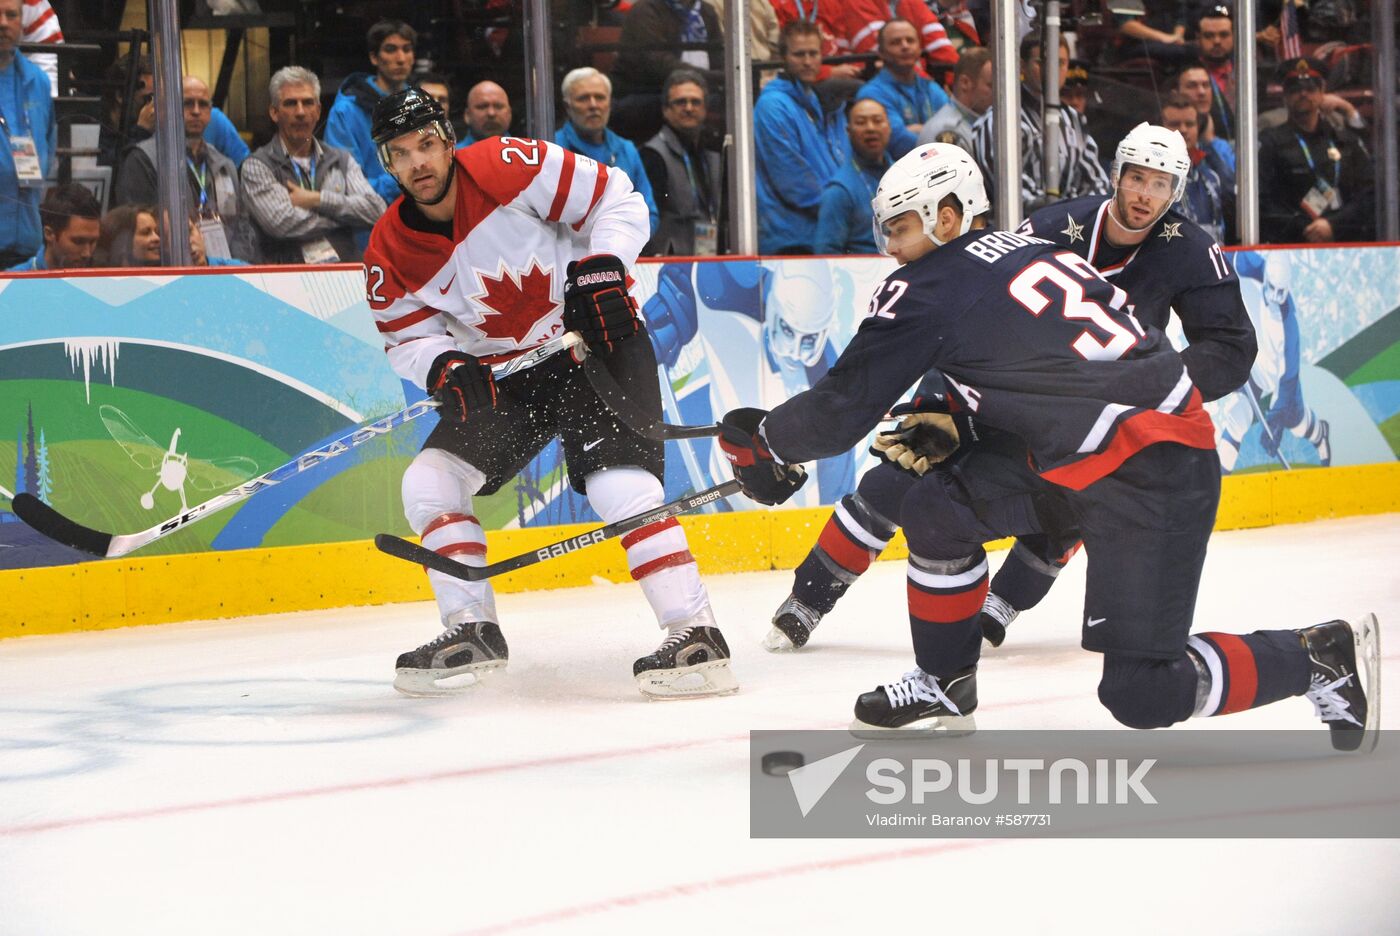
(597, 304)
(461, 384)
(925, 437)
(760, 475)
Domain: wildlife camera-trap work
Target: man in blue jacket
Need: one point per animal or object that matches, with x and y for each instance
(30, 138)
(391, 53)
(910, 98)
(588, 102)
(844, 223)
(798, 146)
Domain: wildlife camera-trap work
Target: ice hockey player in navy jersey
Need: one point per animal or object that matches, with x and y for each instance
(494, 250)
(1164, 261)
(1084, 412)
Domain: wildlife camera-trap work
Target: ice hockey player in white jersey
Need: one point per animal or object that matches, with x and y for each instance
(492, 251)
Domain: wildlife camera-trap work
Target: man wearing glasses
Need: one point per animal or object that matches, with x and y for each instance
(686, 178)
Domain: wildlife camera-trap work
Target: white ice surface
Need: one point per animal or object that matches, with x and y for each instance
(260, 776)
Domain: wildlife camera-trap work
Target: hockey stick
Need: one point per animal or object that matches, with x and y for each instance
(1277, 443)
(59, 528)
(421, 555)
(632, 416)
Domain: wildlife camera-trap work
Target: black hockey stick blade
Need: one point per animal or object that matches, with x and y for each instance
(412, 552)
(59, 528)
(625, 409)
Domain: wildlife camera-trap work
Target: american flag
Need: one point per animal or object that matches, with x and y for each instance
(1290, 44)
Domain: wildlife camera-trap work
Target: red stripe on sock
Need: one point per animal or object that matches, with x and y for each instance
(448, 518)
(462, 549)
(947, 607)
(850, 555)
(1244, 675)
(651, 529)
(665, 562)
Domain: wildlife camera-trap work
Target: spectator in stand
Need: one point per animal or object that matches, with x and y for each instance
(1159, 33)
(1081, 173)
(685, 178)
(216, 195)
(487, 114)
(844, 224)
(390, 44)
(798, 146)
(40, 25)
(763, 31)
(1216, 35)
(588, 102)
(1074, 86)
(653, 32)
(307, 200)
(129, 237)
(860, 22)
(827, 18)
(141, 121)
(1315, 180)
(436, 87)
(72, 218)
(910, 99)
(30, 140)
(199, 255)
(972, 95)
(1209, 197)
(1194, 83)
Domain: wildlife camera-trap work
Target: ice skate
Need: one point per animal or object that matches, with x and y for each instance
(689, 663)
(996, 616)
(452, 661)
(1346, 680)
(793, 624)
(920, 702)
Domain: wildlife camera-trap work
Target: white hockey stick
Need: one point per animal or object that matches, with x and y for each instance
(59, 528)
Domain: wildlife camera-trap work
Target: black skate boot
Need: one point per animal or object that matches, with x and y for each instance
(995, 618)
(793, 624)
(466, 649)
(689, 663)
(1346, 688)
(920, 702)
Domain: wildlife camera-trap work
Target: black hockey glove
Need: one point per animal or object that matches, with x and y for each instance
(597, 304)
(461, 384)
(925, 437)
(760, 475)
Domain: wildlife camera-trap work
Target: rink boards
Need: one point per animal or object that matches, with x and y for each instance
(105, 380)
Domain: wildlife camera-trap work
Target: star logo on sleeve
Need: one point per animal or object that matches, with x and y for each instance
(1171, 229)
(1075, 232)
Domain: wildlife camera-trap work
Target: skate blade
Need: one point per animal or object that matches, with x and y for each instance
(1367, 635)
(939, 726)
(427, 683)
(689, 682)
(777, 642)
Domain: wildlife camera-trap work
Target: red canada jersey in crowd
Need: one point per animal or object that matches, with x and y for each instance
(524, 209)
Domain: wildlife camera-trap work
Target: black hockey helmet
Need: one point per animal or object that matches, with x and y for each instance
(404, 112)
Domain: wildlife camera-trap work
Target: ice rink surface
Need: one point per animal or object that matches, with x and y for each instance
(261, 776)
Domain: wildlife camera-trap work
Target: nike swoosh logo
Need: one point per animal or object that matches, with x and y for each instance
(589, 446)
(444, 289)
(1093, 621)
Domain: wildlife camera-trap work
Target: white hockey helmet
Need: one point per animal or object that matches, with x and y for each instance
(1278, 276)
(1154, 147)
(919, 180)
(799, 311)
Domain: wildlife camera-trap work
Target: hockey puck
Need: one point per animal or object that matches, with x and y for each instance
(781, 763)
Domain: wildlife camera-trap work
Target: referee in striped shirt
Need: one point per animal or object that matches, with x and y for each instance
(1081, 173)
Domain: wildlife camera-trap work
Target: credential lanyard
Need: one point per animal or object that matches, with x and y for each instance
(307, 181)
(702, 195)
(201, 178)
(1336, 162)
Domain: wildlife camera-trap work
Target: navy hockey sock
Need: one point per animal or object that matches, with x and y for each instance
(945, 597)
(1249, 670)
(853, 537)
(1024, 579)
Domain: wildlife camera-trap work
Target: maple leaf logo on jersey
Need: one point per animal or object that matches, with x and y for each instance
(515, 305)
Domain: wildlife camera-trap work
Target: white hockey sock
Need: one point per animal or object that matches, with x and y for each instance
(437, 498)
(658, 554)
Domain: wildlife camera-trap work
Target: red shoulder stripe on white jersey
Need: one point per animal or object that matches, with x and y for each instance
(600, 183)
(566, 181)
